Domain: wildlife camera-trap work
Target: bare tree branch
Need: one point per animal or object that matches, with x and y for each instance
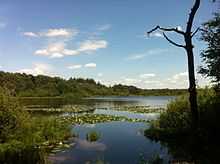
(172, 42)
(194, 33)
(198, 29)
(166, 29)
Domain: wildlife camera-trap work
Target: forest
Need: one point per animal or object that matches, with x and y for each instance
(24, 85)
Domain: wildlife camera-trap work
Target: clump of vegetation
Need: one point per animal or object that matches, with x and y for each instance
(139, 109)
(173, 129)
(176, 120)
(26, 139)
(93, 136)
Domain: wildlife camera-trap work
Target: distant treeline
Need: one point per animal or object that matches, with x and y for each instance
(24, 85)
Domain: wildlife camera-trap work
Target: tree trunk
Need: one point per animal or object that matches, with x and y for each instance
(192, 84)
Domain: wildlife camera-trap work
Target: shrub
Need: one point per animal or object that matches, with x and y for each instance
(177, 117)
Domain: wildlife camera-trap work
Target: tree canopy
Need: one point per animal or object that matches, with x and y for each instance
(211, 55)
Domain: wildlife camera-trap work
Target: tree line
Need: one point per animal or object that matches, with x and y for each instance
(24, 85)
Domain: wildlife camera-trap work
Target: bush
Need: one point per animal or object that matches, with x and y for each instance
(177, 117)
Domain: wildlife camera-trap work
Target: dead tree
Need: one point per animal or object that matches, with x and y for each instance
(188, 35)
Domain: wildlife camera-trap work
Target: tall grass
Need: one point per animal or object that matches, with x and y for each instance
(23, 138)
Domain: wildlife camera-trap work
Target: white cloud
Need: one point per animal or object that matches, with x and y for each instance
(59, 50)
(136, 57)
(181, 76)
(147, 53)
(157, 51)
(104, 27)
(56, 50)
(30, 34)
(181, 80)
(90, 65)
(152, 82)
(92, 45)
(157, 34)
(77, 66)
(178, 80)
(38, 69)
(60, 32)
(147, 75)
(100, 74)
(130, 81)
(57, 42)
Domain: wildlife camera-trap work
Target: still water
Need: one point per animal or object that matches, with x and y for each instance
(118, 142)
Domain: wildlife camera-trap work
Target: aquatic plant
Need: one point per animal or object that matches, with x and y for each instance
(140, 109)
(98, 118)
(93, 136)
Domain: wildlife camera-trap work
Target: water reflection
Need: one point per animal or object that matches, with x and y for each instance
(118, 101)
(120, 142)
(88, 145)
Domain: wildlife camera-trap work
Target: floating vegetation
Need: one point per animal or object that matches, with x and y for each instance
(99, 118)
(63, 109)
(140, 109)
(93, 136)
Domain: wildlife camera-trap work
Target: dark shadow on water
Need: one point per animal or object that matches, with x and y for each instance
(192, 149)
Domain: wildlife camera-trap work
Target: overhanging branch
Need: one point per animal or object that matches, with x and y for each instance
(172, 42)
(166, 29)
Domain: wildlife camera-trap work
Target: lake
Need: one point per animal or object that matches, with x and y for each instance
(118, 142)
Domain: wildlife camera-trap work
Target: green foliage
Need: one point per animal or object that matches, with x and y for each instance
(177, 117)
(12, 117)
(211, 55)
(92, 136)
(16, 152)
(24, 85)
(24, 139)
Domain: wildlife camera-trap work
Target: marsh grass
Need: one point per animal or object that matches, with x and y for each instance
(27, 139)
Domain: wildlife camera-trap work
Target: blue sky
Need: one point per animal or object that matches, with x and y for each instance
(100, 39)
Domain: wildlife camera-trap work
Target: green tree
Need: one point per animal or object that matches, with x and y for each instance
(211, 55)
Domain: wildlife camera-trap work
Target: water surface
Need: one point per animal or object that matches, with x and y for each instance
(119, 143)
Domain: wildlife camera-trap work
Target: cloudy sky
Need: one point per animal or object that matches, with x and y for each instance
(100, 39)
